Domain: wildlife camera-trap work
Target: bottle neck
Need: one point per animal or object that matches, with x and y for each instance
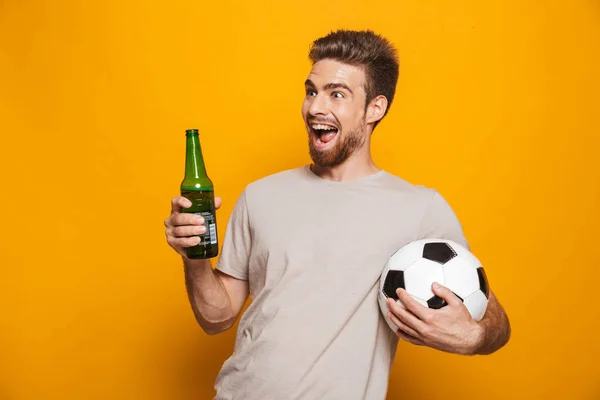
(194, 163)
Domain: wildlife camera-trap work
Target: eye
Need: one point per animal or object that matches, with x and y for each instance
(337, 95)
(311, 92)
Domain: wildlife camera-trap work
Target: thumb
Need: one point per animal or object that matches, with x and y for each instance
(445, 294)
(218, 202)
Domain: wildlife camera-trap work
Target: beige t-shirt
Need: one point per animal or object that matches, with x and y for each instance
(313, 251)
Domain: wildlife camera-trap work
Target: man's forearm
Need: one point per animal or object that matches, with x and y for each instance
(496, 328)
(209, 299)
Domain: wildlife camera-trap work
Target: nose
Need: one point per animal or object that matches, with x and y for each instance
(318, 105)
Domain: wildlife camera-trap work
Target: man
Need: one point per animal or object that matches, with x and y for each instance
(309, 245)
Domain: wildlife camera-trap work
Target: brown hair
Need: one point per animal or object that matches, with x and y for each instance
(365, 49)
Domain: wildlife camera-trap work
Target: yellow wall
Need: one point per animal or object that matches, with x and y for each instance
(497, 107)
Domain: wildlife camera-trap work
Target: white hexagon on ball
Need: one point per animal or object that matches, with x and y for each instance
(405, 257)
(476, 304)
(420, 276)
(461, 276)
(463, 252)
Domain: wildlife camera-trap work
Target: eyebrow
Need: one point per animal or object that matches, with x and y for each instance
(329, 86)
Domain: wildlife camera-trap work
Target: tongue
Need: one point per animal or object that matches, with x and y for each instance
(326, 137)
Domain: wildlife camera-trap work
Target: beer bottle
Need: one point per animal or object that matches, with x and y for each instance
(198, 188)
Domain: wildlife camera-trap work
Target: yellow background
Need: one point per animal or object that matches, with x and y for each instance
(497, 107)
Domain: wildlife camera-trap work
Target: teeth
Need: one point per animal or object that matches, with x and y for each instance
(323, 127)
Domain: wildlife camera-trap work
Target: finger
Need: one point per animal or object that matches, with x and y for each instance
(405, 316)
(445, 294)
(412, 305)
(218, 202)
(186, 219)
(408, 338)
(179, 202)
(188, 230)
(402, 326)
(184, 241)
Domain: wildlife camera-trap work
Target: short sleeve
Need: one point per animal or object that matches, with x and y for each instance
(441, 222)
(235, 253)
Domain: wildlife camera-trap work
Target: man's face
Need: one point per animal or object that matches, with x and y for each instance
(334, 111)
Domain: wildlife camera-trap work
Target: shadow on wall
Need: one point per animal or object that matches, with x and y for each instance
(187, 361)
(404, 388)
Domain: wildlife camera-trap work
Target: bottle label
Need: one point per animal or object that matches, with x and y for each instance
(210, 237)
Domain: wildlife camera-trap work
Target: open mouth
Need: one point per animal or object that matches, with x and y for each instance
(323, 135)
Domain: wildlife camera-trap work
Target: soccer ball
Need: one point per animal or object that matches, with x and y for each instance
(420, 263)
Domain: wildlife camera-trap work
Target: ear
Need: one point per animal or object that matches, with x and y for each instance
(376, 109)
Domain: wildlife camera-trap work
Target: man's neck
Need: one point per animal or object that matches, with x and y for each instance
(349, 170)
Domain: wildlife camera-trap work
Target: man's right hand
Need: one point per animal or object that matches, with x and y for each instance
(182, 229)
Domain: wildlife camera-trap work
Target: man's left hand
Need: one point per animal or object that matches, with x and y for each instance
(451, 328)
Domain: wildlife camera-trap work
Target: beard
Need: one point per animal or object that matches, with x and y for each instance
(345, 146)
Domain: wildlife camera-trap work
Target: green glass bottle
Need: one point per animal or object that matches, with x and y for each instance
(198, 188)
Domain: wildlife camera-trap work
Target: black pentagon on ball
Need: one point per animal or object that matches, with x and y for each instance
(437, 302)
(483, 282)
(393, 281)
(440, 252)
